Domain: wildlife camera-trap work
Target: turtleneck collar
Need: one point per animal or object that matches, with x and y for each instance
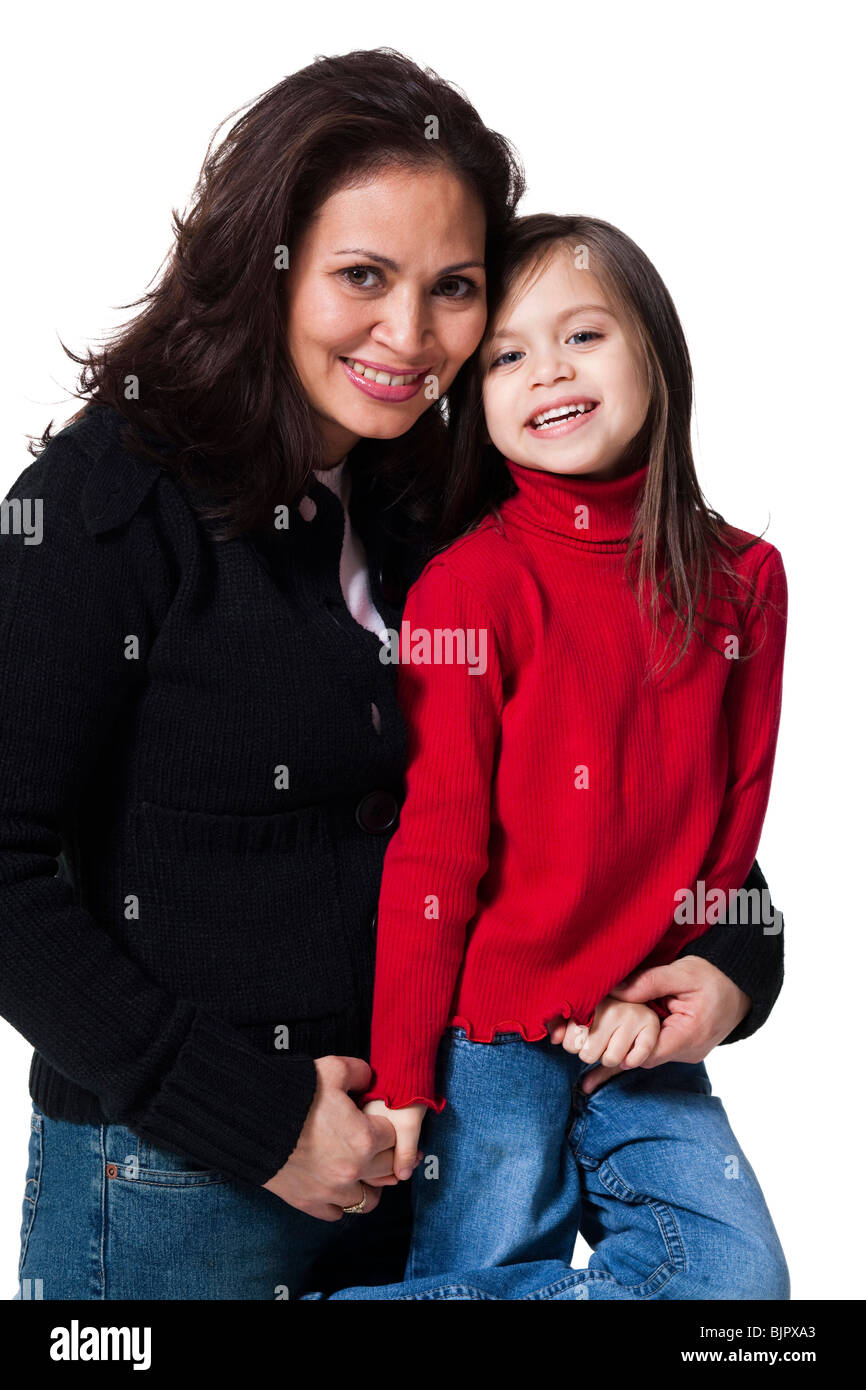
(589, 511)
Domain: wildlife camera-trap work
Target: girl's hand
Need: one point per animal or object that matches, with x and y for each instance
(622, 1035)
(703, 1004)
(407, 1123)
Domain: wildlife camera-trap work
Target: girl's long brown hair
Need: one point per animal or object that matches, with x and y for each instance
(208, 349)
(684, 546)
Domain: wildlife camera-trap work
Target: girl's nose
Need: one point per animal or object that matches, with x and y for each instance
(548, 370)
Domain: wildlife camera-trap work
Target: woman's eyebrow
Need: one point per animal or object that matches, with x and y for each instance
(392, 265)
(507, 331)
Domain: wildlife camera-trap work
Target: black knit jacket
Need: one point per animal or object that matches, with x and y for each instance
(201, 759)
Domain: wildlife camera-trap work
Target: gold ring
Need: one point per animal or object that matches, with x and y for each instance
(359, 1206)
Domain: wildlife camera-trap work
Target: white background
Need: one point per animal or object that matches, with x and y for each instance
(727, 141)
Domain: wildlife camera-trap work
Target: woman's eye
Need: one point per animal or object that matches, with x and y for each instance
(361, 271)
(368, 277)
(501, 359)
(457, 287)
(586, 335)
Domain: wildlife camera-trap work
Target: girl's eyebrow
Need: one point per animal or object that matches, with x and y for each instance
(392, 265)
(507, 332)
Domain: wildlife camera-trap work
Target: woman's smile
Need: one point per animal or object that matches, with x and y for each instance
(384, 383)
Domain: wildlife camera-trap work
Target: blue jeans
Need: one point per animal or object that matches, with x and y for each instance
(647, 1168)
(107, 1215)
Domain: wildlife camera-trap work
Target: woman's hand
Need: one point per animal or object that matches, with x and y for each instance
(705, 1006)
(340, 1149)
(407, 1123)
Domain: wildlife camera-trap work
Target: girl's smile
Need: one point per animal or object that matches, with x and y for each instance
(561, 416)
(563, 386)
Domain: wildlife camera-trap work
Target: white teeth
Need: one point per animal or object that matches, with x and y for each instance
(560, 412)
(382, 378)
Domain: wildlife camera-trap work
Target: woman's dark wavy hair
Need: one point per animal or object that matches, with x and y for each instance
(208, 349)
(691, 542)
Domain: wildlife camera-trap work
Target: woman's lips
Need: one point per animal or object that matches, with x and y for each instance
(557, 428)
(380, 390)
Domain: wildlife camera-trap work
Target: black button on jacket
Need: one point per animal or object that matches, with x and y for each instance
(204, 739)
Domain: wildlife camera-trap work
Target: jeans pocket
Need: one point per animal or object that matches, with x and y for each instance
(31, 1185)
(131, 1158)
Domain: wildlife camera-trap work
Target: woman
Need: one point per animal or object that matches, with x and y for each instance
(197, 723)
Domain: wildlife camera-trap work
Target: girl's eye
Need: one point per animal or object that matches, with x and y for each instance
(450, 287)
(362, 271)
(585, 335)
(500, 360)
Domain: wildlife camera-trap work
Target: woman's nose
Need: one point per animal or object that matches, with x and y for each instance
(405, 327)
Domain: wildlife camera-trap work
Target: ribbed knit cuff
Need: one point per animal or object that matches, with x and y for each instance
(229, 1105)
(411, 1082)
(431, 1100)
(398, 1096)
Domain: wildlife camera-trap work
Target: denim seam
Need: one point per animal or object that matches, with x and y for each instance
(578, 1278)
(459, 1035)
(168, 1179)
(665, 1220)
(661, 1210)
(450, 1291)
(576, 1134)
(622, 1191)
(103, 1212)
(35, 1128)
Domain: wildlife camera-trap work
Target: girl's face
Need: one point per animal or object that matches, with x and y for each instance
(559, 347)
(386, 301)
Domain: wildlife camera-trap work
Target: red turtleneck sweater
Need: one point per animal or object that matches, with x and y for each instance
(556, 799)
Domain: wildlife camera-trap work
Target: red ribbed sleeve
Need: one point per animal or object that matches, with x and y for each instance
(752, 706)
(438, 854)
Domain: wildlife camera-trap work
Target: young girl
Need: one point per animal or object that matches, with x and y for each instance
(592, 680)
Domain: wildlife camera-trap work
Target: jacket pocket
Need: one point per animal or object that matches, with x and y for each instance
(241, 913)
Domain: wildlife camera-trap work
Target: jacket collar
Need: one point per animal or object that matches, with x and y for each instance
(115, 487)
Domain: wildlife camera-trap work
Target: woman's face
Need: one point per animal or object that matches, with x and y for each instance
(386, 300)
